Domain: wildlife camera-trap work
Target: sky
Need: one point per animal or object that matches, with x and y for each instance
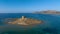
(27, 6)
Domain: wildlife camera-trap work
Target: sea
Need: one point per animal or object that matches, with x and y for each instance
(50, 25)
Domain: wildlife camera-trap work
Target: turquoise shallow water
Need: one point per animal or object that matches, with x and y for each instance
(51, 24)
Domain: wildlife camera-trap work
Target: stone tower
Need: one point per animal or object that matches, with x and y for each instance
(23, 17)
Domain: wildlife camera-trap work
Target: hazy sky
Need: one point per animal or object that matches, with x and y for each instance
(16, 6)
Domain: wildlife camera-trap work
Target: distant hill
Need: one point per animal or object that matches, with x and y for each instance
(48, 12)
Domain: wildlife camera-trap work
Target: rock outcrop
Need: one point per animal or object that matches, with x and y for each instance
(25, 21)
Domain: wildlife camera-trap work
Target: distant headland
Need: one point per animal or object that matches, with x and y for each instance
(47, 12)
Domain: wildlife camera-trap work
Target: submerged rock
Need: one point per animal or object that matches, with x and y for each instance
(25, 21)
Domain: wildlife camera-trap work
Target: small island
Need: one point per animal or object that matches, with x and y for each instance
(26, 21)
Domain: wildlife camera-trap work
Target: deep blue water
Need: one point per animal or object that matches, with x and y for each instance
(51, 24)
